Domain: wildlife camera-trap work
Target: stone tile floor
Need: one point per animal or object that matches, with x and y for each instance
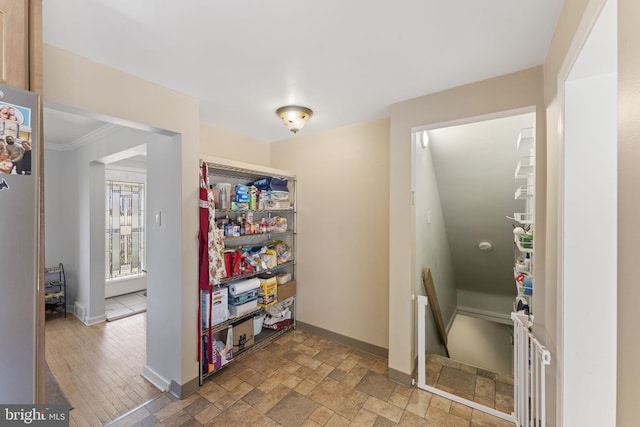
(304, 380)
(488, 388)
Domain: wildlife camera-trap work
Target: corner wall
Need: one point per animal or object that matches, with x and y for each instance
(510, 92)
(343, 228)
(120, 98)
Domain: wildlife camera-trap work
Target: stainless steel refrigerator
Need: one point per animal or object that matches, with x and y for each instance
(19, 207)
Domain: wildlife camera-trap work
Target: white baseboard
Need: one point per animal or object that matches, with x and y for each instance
(451, 320)
(491, 316)
(95, 320)
(155, 378)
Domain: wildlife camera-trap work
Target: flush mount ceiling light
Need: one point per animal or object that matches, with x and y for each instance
(485, 246)
(294, 116)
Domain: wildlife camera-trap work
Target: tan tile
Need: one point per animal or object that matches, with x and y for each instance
(280, 375)
(242, 389)
(433, 366)
(253, 397)
(322, 356)
(504, 378)
(309, 351)
(381, 367)
(337, 421)
(246, 373)
(347, 364)
(419, 402)
(482, 419)
(225, 401)
(443, 418)
(320, 373)
(383, 409)
(485, 402)
(440, 403)
(504, 388)
(403, 390)
(290, 367)
(305, 387)
(321, 415)
(307, 361)
(366, 362)
(337, 374)
(340, 399)
(272, 398)
(376, 385)
(310, 423)
(240, 412)
(456, 392)
(431, 378)
(460, 410)
(468, 368)
(304, 372)
(504, 403)
(208, 414)
(292, 410)
(256, 379)
(230, 383)
(364, 418)
(398, 400)
(354, 376)
(197, 406)
(292, 381)
(487, 374)
(269, 384)
(211, 392)
(411, 420)
(333, 361)
(457, 379)
(485, 389)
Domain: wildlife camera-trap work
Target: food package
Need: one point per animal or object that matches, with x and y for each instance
(277, 224)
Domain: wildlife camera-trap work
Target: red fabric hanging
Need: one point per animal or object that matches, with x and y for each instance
(203, 235)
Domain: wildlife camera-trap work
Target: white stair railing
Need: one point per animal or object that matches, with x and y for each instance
(529, 361)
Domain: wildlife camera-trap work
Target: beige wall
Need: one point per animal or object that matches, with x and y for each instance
(226, 144)
(74, 81)
(628, 211)
(510, 92)
(343, 232)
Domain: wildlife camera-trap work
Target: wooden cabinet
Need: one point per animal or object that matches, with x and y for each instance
(14, 43)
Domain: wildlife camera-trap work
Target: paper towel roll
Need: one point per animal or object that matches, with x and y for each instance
(244, 286)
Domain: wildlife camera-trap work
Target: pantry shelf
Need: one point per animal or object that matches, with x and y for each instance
(235, 318)
(526, 137)
(247, 276)
(261, 236)
(525, 167)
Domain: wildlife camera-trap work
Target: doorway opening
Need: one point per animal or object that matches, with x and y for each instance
(474, 185)
(83, 153)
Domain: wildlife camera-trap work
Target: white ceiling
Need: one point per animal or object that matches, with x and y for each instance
(347, 60)
(475, 166)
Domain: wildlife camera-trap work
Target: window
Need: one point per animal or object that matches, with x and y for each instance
(124, 229)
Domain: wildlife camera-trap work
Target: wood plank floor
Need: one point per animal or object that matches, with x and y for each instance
(99, 367)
